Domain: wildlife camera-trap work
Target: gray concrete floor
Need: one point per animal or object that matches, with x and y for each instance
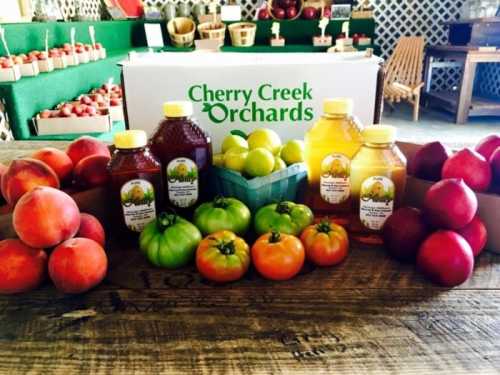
(439, 125)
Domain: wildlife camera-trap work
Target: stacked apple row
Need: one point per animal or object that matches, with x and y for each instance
(14, 67)
(88, 113)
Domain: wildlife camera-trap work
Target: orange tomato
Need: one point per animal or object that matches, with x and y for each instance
(326, 243)
(278, 256)
(223, 257)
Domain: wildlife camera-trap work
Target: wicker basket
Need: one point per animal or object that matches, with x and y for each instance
(211, 30)
(300, 4)
(242, 34)
(181, 31)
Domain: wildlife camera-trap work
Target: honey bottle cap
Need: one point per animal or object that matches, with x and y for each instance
(130, 139)
(379, 134)
(178, 109)
(338, 106)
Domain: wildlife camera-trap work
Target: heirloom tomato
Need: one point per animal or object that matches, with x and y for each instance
(222, 214)
(169, 241)
(222, 257)
(284, 217)
(278, 256)
(326, 243)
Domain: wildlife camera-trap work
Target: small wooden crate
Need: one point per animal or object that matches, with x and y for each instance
(181, 31)
(210, 30)
(242, 34)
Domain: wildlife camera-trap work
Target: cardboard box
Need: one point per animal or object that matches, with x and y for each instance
(30, 69)
(72, 59)
(94, 55)
(72, 125)
(246, 91)
(45, 66)
(10, 74)
(60, 62)
(102, 53)
(83, 57)
(489, 204)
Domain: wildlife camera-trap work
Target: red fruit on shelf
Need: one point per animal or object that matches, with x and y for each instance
(45, 114)
(309, 13)
(92, 111)
(446, 258)
(450, 204)
(98, 46)
(470, 166)
(279, 13)
(285, 4)
(403, 233)
(263, 14)
(91, 228)
(327, 12)
(475, 234)
(78, 109)
(488, 145)
(291, 13)
(429, 160)
(114, 102)
(65, 112)
(85, 99)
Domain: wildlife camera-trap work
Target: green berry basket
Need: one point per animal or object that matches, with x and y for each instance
(287, 184)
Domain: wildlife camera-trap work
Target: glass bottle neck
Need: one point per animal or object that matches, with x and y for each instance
(336, 116)
(133, 150)
(379, 145)
(175, 119)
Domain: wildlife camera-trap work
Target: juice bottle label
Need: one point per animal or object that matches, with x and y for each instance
(182, 176)
(138, 203)
(376, 201)
(335, 186)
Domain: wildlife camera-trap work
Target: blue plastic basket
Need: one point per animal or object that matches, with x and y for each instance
(287, 184)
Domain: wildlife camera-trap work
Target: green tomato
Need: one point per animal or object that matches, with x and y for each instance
(169, 241)
(284, 217)
(222, 214)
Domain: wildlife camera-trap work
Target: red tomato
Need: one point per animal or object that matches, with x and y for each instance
(223, 257)
(326, 243)
(278, 256)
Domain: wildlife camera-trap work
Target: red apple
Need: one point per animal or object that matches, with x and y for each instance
(475, 234)
(428, 161)
(450, 204)
(403, 233)
(78, 109)
(45, 114)
(84, 99)
(263, 14)
(309, 13)
(114, 102)
(92, 111)
(65, 112)
(327, 12)
(446, 258)
(284, 4)
(291, 13)
(6, 64)
(495, 169)
(470, 166)
(98, 46)
(279, 13)
(488, 145)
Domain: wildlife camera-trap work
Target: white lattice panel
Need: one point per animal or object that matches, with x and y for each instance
(91, 9)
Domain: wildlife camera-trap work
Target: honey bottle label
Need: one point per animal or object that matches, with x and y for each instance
(335, 184)
(182, 178)
(376, 201)
(138, 203)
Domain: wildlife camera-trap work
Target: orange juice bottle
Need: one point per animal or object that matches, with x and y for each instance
(330, 145)
(378, 181)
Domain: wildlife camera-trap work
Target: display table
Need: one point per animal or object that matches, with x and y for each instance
(368, 315)
(462, 103)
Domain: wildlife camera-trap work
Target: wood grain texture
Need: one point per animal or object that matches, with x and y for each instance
(368, 315)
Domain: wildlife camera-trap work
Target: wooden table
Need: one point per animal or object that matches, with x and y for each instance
(461, 102)
(370, 314)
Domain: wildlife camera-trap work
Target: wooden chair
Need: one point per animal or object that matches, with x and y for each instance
(403, 75)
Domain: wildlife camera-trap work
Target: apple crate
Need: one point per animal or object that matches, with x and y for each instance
(72, 125)
(45, 66)
(83, 57)
(30, 69)
(10, 74)
(287, 184)
(60, 62)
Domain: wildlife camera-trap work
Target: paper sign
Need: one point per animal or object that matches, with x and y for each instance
(207, 45)
(275, 29)
(154, 35)
(72, 38)
(47, 41)
(230, 13)
(92, 35)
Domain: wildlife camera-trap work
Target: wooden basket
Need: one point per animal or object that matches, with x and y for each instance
(299, 10)
(211, 30)
(181, 31)
(242, 34)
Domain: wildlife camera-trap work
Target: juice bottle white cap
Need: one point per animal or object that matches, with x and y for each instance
(178, 109)
(130, 139)
(379, 134)
(338, 106)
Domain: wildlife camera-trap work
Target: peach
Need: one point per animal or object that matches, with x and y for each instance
(56, 159)
(22, 268)
(475, 234)
(24, 175)
(91, 228)
(86, 146)
(77, 265)
(92, 171)
(446, 258)
(3, 169)
(45, 217)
